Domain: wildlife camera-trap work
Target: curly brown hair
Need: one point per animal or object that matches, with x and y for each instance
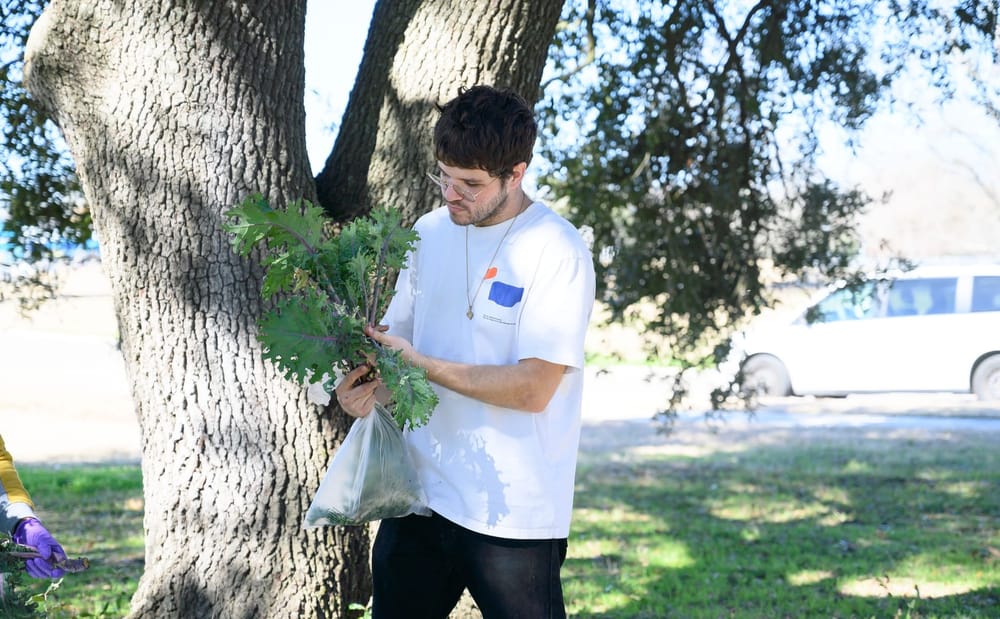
(485, 128)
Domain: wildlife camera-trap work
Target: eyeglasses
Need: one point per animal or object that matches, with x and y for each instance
(464, 194)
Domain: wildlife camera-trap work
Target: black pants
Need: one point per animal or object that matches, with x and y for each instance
(421, 566)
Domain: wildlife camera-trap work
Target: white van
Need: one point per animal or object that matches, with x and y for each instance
(928, 329)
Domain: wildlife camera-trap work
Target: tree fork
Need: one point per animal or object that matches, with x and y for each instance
(173, 114)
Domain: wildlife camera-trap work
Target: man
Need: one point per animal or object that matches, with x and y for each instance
(494, 304)
(17, 518)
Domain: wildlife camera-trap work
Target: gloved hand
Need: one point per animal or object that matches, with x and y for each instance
(30, 532)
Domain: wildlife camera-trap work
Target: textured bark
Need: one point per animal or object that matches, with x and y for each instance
(418, 54)
(174, 112)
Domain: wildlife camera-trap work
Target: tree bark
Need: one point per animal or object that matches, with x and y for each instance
(417, 55)
(174, 112)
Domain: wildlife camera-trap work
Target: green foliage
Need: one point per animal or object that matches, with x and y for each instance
(40, 198)
(38, 184)
(684, 133)
(690, 142)
(327, 288)
(14, 601)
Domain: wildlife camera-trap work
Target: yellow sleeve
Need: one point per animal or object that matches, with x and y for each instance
(15, 503)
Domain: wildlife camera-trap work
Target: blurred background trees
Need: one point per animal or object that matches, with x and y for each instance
(687, 135)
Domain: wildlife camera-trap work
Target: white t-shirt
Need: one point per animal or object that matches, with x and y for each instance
(493, 470)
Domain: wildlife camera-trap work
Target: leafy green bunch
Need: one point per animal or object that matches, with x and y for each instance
(328, 287)
(16, 602)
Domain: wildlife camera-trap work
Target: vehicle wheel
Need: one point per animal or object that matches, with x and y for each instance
(766, 375)
(986, 379)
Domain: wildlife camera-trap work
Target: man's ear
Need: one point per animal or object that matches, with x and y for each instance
(517, 173)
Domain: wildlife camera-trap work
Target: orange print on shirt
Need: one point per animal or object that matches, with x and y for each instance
(490, 273)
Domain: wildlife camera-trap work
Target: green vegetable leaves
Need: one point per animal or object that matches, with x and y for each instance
(327, 289)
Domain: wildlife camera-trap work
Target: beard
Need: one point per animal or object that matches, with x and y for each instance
(485, 214)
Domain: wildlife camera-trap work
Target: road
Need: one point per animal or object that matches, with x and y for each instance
(620, 404)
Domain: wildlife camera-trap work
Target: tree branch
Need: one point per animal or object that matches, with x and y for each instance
(591, 49)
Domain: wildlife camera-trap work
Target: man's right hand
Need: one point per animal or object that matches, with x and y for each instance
(357, 398)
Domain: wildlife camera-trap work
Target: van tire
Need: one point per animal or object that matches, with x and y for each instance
(986, 379)
(765, 375)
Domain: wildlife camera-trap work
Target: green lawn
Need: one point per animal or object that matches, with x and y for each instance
(95, 512)
(862, 527)
(843, 528)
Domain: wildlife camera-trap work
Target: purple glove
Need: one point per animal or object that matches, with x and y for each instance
(30, 532)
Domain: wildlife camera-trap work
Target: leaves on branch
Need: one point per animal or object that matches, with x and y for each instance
(691, 148)
(327, 288)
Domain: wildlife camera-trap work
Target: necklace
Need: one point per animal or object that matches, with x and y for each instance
(468, 313)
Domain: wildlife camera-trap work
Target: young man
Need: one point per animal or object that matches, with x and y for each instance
(494, 304)
(17, 518)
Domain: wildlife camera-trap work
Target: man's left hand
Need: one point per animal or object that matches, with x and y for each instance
(393, 342)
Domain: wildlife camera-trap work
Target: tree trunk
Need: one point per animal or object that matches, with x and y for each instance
(417, 55)
(174, 112)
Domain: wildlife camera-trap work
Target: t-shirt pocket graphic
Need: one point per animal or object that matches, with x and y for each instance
(505, 295)
(504, 307)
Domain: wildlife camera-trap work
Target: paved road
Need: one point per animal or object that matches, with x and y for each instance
(636, 394)
(621, 403)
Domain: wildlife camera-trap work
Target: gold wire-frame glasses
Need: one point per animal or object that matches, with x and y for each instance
(443, 185)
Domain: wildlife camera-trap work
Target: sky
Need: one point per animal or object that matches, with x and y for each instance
(335, 38)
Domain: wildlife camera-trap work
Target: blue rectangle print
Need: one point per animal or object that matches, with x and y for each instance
(505, 294)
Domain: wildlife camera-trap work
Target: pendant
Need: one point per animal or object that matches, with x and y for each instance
(468, 314)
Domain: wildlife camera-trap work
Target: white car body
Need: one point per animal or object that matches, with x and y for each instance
(928, 329)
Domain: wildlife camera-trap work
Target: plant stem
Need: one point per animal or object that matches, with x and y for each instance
(69, 565)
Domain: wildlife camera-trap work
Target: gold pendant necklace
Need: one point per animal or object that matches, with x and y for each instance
(468, 313)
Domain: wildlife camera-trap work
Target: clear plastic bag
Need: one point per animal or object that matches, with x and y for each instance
(371, 477)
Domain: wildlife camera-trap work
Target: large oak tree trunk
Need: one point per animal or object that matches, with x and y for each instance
(418, 54)
(174, 112)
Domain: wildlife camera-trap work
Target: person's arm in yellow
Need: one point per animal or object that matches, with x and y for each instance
(15, 503)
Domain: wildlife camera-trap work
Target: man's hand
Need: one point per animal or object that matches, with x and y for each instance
(393, 342)
(357, 398)
(30, 532)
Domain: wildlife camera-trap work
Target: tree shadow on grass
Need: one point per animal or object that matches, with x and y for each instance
(785, 525)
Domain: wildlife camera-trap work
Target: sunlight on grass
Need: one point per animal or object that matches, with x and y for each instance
(965, 489)
(773, 510)
(616, 515)
(834, 518)
(788, 530)
(855, 467)
(808, 577)
(901, 587)
(831, 494)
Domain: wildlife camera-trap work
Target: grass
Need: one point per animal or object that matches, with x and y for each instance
(94, 511)
(841, 528)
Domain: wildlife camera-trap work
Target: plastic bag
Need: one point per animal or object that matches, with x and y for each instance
(371, 477)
